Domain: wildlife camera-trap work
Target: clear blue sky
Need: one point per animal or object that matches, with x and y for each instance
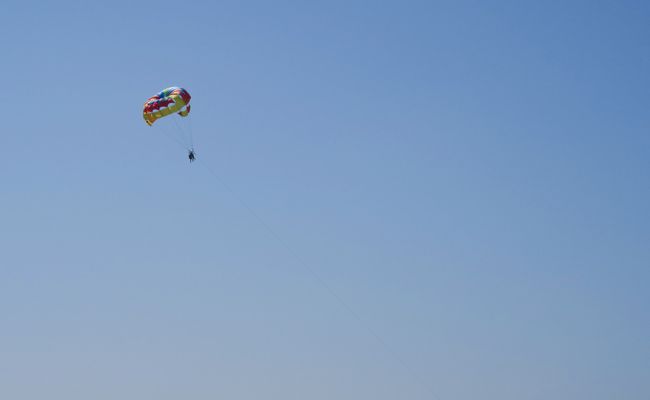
(471, 177)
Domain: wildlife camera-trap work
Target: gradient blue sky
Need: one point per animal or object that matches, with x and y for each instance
(472, 177)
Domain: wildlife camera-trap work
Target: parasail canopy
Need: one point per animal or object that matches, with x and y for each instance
(173, 100)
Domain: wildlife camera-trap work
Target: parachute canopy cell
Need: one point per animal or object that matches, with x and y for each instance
(173, 100)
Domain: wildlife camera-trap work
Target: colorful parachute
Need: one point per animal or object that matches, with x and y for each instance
(170, 101)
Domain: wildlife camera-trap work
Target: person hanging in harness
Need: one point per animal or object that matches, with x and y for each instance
(191, 156)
